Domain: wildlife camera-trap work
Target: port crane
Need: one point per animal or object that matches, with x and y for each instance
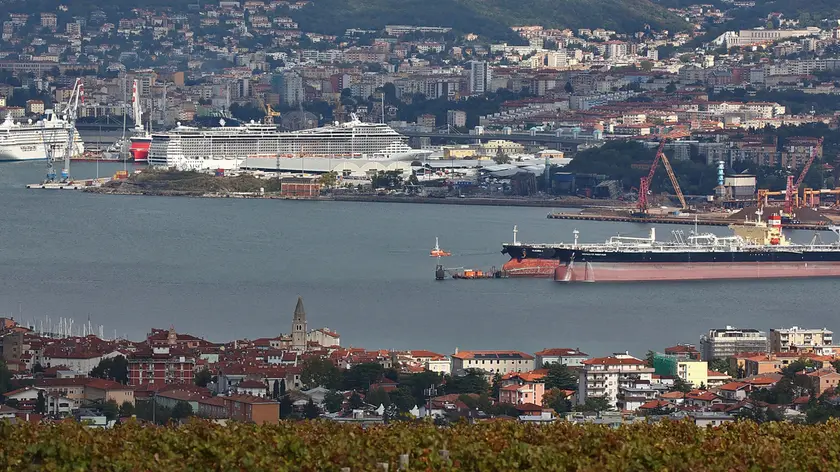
(644, 185)
(792, 188)
(270, 114)
(70, 114)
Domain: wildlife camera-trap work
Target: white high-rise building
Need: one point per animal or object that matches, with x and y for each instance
(605, 377)
(479, 77)
(724, 343)
(791, 339)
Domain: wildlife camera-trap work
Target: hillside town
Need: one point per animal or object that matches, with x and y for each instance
(787, 374)
(596, 83)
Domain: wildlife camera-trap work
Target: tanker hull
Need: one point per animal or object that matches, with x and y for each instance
(531, 267)
(636, 272)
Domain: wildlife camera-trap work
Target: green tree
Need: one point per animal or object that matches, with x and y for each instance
(182, 410)
(556, 400)
(378, 396)
(649, 358)
(203, 377)
(111, 410)
(403, 399)
(496, 386)
(797, 366)
(681, 385)
(390, 180)
(501, 157)
(419, 383)
(646, 66)
(112, 368)
(275, 392)
(311, 410)
(594, 404)
(41, 405)
(287, 408)
(559, 376)
(127, 409)
(356, 401)
(721, 365)
(473, 381)
(320, 372)
(329, 180)
(5, 378)
(361, 376)
(333, 401)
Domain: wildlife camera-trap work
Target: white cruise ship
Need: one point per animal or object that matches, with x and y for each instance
(227, 147)
(27, 141)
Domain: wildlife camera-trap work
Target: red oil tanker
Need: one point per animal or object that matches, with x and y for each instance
(757, 250)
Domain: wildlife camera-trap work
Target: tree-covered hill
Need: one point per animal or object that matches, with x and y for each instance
(488, 17)
(491, 18)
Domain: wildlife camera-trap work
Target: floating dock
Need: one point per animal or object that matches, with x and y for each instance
(71, 185)
(674, 220)
(460, 273)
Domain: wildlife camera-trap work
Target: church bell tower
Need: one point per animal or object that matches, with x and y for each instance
(299, 327)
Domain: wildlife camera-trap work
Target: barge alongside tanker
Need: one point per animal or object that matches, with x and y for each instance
(757, 250)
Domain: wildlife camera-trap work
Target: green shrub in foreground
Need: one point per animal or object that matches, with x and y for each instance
(492, 446)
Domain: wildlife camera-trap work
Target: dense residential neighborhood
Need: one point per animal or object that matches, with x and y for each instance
(788, 374)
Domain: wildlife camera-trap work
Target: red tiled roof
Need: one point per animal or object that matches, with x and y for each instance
(714, 373)
(734, 386)
(20, 390)
(424, 354)
(214, 401)
(613, 361)
(561, 351)
(760, 381)
(103, 384)
(653, 404)
(528, 407)
(703, 395)
(251, 384)
(508, 355)
(247, 399)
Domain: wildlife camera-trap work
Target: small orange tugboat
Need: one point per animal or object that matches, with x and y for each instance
(438, 252)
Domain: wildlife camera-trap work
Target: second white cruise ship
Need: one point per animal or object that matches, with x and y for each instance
(31, 140)
(191, 148)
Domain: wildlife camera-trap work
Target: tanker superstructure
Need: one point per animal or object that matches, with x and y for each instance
(756, 250)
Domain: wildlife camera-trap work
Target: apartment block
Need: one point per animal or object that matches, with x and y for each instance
(492, 362)
(605, 377)
(726, 342)
(694, 372)
(569, 357)
(251, 409)
(795, 338)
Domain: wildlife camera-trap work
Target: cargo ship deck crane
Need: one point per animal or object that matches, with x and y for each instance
(792, 190)
(644, 186)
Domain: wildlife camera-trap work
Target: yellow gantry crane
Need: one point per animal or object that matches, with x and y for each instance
(270, 114)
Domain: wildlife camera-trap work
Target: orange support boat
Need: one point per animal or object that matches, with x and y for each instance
(438, 252)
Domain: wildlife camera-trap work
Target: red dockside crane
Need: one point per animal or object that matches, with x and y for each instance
(644, 185)
(792, 189)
